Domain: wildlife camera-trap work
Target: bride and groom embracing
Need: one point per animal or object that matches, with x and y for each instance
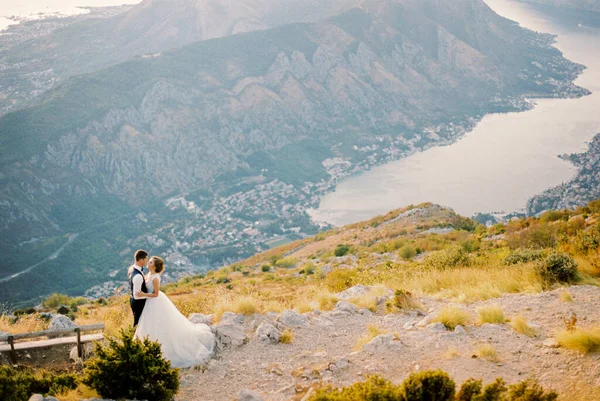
(182, 342)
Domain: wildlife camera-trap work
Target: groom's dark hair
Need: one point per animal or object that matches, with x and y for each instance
(140, 254)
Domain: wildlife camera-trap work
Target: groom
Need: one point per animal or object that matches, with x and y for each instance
(136, 284)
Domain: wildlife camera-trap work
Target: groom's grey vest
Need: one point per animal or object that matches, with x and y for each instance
(137, 305)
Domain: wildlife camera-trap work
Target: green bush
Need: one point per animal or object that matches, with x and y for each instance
(20, 384)
(471, 391)
(407, 252)
(447, 258)
(131, 369)
(558, 267)
(588, 240)
(537, 236)
(375, 388)
(265, 268)
(530, 390)
(341, 250)
(523, 256)
(63, 310)
(429, 385)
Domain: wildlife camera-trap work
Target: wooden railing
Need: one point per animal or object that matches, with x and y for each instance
(10, 338)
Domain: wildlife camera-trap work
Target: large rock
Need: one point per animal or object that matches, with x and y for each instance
(293, 319)
(268, 333)
(36, 397)
(344, 306)
(61, 322)
(354, 292)
(383, 343)
(229, 335)
(199, 318)
(231, 318)
(249, 395)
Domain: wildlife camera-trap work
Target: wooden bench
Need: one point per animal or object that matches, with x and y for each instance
(78, 339)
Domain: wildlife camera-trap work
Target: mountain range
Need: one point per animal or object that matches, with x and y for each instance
(92, 168)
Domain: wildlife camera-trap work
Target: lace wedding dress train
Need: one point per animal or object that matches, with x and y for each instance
(182, 342)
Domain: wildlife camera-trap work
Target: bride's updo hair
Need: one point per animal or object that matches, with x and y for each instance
(159, 264)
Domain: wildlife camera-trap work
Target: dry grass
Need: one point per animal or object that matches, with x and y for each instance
(582, 340)
(287, 336)
(487, 352)
(490, 314)
(372, 332)
(24, 324)
(245, 306)
(452, 316)
(451, 352)
(80, 393)
(519, 324)
(565, 296)
(326, 299)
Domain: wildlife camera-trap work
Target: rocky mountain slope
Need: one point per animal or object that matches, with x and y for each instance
(29, 66)
(104, 155)
(592, 5)
(582, 188)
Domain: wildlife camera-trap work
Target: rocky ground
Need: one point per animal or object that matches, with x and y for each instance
(324, 349)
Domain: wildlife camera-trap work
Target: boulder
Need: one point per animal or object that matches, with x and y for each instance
(293, 319)
(354, 292)
(460, 330)
(61, 322)
(199, 318)
(229, 335)
(344, 306)
(437, 327)
(249, 395)
(231, 318)
(36, 397)
(268, 333)
(383, 343)
(551, 343)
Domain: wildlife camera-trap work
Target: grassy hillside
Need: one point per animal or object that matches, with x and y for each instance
(424, 249)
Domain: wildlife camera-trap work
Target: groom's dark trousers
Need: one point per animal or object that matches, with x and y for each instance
(137, 305)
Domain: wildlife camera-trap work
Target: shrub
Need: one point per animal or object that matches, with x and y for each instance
(433, 385)
(530, 390)
(341, 250)
(286, 337)
(447, 258)
(452, 316)
(588, 240)
(26, 311)
(63, 310)
(340, 279)
(55, 300)
(110, 371)
(537, 236)
(558, 267)
(471, 391)
(265, 268)
(583, 340)
(17, 385)
(402, 300)
(523, 256)
(519, 324)
(407, 252)
(490, 314)
(375, 388)
(286, 263)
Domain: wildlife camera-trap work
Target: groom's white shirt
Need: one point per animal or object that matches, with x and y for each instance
(137, 282)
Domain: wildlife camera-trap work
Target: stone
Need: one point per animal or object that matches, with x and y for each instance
(50, 398)
(365, 311)
(293, 319)
(551, 343)
(460, 330)
(344, 306)
(383, 343)
(408, 325)
(61, 322)
(198, 318)
(272, 315)
(229, 335)
(231, 318)
(36, 397)
(426, 320)
(437, 327)
(354, 292)
(268, 333)
(249, 395)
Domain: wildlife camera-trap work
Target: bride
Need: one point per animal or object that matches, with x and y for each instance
(182, 342)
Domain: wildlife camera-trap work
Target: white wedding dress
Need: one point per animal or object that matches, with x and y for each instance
(182, 342)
